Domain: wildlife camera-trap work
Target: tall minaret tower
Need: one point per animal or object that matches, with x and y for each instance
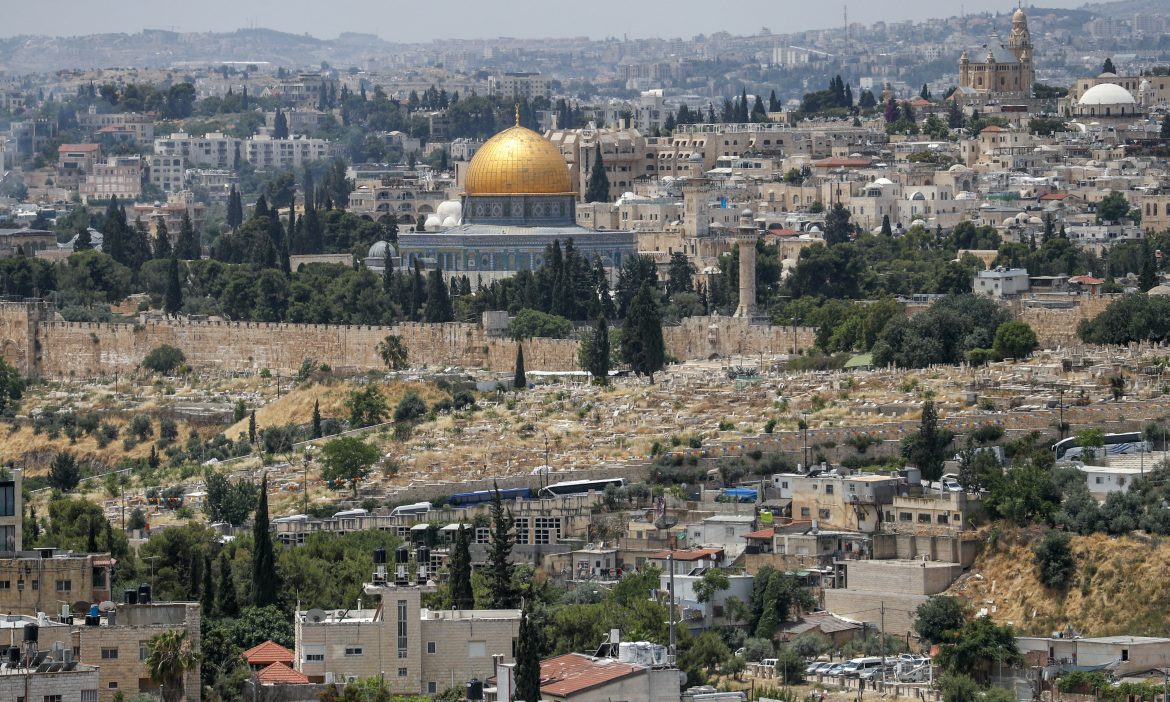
(746, 236)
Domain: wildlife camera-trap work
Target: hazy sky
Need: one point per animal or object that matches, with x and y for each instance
(415, 20)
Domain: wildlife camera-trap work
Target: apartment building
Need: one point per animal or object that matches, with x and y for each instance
(414, 649)
(167, 173)
(61, 682)
(119, 176)
(37, 581)
(138, 127)
(213, 149)
(520, 85)
(834, 501)
(171, 212)
(119, 644)
(266, 152)
(75, 162)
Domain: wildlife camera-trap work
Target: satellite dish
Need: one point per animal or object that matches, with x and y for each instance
(81, 606)
(315, 615)
(107, 606)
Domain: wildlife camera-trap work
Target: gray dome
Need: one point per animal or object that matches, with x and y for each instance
(381, 249)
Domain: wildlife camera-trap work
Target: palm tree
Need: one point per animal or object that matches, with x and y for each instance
(171, 656)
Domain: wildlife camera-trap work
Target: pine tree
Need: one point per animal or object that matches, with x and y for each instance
(520, 380)
(462, 595)
(498, 574)
(162, 240)
(316, 419)
(264, 579)
(642, 344)
(173, 301)
(528, 644)
(207, 590)
(598, 188)
(597, 352)
(227, 604)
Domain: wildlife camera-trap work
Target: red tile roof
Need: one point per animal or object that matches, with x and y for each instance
(78, 147)
(574, 672)
(761, 534)
(268, 652)
(279, 673)
(1054, 196)
(693, 554)
(1086, 280)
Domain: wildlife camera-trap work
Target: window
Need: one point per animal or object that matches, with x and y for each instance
(64, 585)
(824, 513)
(548, 530)
(432, 688)
(828, 489)
(7, 538)
(113, 685)
(7, 498)
(314, 652)
(353, 651)
(402, 628)
(89, 696)
(5, 584)
(143, 650)
(476, 649)
(431, 647)
(924, 518)
(804, 512)
(109, 654)
(943, 519)
(905, 517)
(402, 672)
(522, 535)
(1125, 654)
(315, 657)
(52, 698)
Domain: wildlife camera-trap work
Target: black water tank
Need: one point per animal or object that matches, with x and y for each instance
(401, 555)
(144, 593)
(31, 631)
(14, 654)
(131, 596)
(423, 556)
(380, 556)
(475, 689)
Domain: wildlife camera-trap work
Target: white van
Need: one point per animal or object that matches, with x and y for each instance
(416, 508)
(856, 666)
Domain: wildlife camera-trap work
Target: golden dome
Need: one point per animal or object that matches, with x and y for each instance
(518, 161)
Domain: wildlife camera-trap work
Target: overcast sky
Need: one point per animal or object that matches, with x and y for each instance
(415, 20)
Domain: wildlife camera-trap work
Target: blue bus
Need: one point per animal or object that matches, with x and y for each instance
(466, 499)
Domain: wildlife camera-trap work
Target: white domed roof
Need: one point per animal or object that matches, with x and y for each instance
(433, 223)
(381, 249)
(1035, 220)
(1107, 94)
(883, 181)
(958, 168)
(450, 208)
(450, 221)
(1108, 74)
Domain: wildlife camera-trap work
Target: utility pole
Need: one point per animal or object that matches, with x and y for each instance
(882, 641)
(673, 637)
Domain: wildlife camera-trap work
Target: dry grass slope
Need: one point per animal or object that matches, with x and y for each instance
(1119, 586)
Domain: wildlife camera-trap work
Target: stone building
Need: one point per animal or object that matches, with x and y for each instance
(1002, 69)
(415, 650)
(120, 644)
(37, 581)
(71, 682)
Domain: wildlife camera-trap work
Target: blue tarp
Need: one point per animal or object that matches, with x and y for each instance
(742, 494)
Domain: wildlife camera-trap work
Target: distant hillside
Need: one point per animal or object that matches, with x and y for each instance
(1127, 9)
(1119, 587)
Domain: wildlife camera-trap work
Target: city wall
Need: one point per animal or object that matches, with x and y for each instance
(36, 345)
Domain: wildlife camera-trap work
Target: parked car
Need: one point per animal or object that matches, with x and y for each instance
(835, 671)
(859, 665)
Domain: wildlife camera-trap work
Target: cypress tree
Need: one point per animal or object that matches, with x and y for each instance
(280, 125)
(162, 240)
(114, 232)
(418, 292)
(173, 302)
(316, 419)
(235, 209)
(597, 352)
(528, 657)
(886, 226)
(642, 344)
(227, 604)
(187, 247)
(462, 595)
(264, 579)
(207, 591)
(252, 427)
(499, 569)
(438, 307)
(520, 381)
(598, 188)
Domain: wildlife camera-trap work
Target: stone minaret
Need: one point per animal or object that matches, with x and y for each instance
(746, 236)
